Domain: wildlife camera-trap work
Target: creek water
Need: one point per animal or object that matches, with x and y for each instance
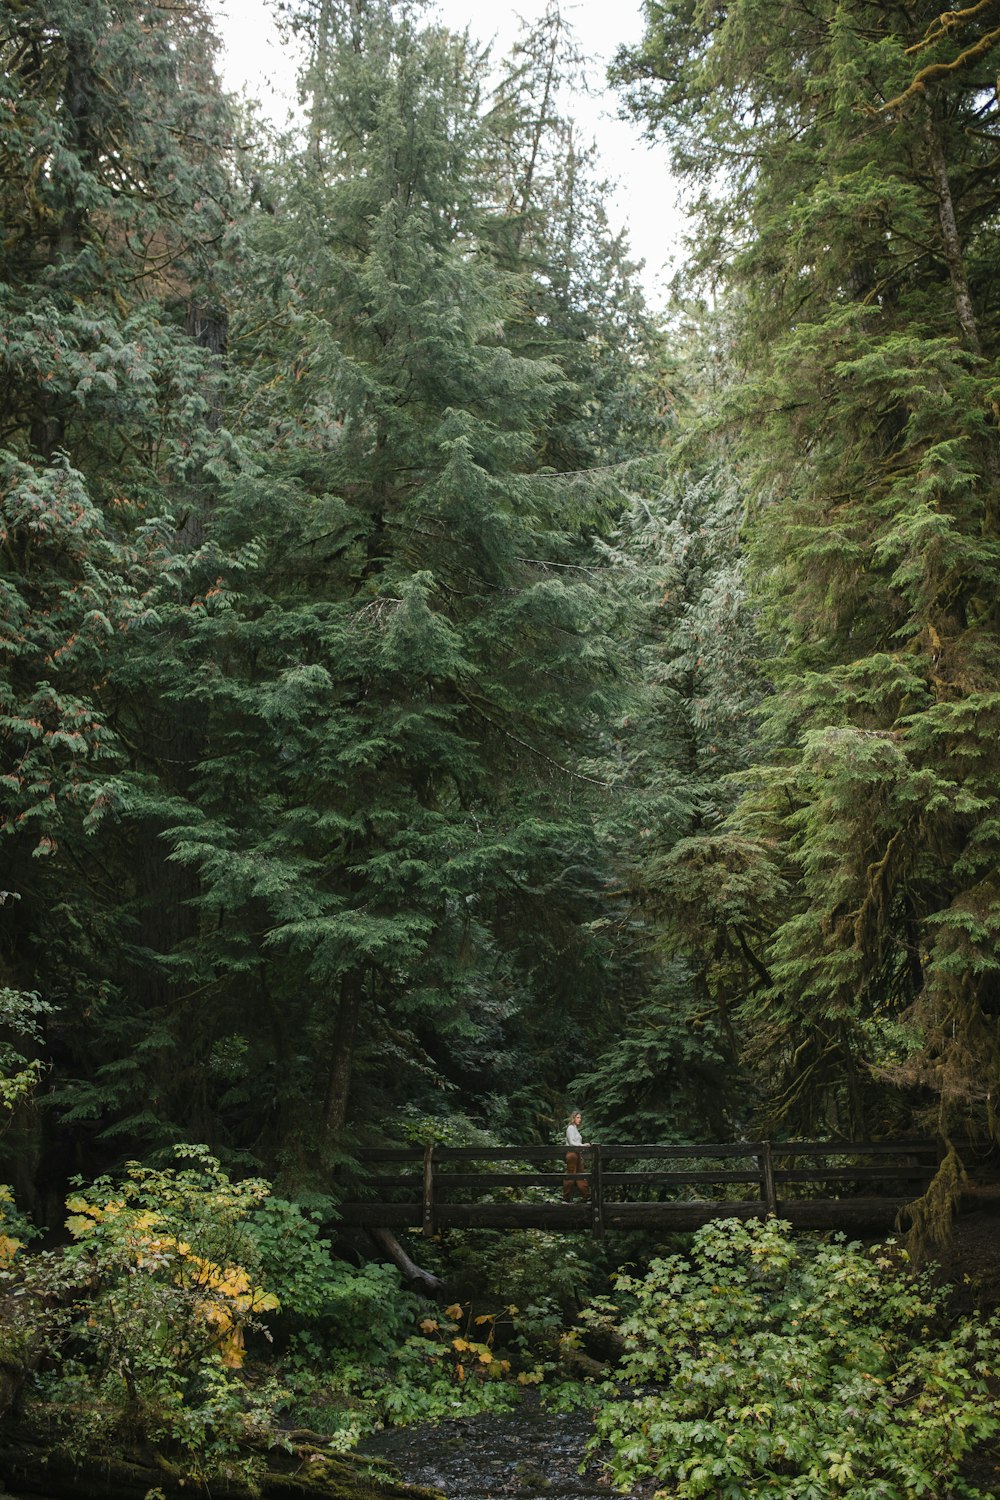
(527, 1454)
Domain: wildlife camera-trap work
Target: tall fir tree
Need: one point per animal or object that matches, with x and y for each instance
(114, 199)
(308, 672)
(582, 304)
(394, 672)
(851, 218)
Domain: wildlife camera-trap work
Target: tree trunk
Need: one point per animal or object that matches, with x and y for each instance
(342, 1049)
(950, 241)
(413, 1274)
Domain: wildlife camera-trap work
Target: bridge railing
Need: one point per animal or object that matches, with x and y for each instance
(814, 1183)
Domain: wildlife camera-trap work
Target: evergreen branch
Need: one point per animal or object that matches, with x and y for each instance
(801, 1082)
(542, 562)
(193, 135)
(759, 968)
(935, 71)
(532, 749)
(200, 989)
(876, 879)
(616, 468)
(988, 171)
(945, 23)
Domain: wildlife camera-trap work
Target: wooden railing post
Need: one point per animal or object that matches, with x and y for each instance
(596, 1193)
(869, 1182)
(427, 1221)
(768, 1190)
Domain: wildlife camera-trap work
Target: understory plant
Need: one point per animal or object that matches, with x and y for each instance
(450, 1362)
(763, 1366)
(193, 1316)
(149, 1310)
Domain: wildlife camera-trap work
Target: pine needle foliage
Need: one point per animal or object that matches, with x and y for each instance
(387, 647)
(115, 198)
(851, 218)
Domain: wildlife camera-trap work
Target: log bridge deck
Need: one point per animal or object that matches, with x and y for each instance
(852, 1185)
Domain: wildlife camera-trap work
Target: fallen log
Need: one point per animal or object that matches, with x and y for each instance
(306, 1469)
(413, 1275)
(580, 1365)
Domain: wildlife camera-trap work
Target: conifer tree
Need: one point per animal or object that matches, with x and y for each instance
(94, 237)
(852, 219)
(307, 674)
(583, 305)
(394, 672)
(671, 1065)
(113, 197)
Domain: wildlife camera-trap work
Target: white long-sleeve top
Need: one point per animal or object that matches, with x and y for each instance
(573, 1136)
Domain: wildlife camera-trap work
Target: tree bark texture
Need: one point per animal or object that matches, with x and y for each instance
(342, 1048)
(951, 242)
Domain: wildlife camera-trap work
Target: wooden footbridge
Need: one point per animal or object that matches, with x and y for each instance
(852, 1185)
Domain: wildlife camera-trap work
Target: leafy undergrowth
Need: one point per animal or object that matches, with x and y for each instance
(447, 1366)
(394, 1360)
(760, 1366)
(204, 1320)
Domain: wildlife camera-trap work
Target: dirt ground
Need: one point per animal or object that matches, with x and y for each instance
(971, 1261)
(970, 1264)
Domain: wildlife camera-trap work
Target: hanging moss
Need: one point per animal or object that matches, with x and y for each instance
(931, 1216)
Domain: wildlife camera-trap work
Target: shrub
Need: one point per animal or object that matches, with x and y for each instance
(764, 1369)
(328, 1307)
(155, 1296)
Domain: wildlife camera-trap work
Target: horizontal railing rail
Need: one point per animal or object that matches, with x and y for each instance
(433, 1187)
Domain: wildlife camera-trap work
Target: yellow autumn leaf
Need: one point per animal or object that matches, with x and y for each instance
(429, 1325)
(214, 1314)
(231, 1350)
(454, 1311)
(483, 1318)
(78, 1226)
(485, 1357)
(8, 1248)
(460, 1345)
(460, 1371)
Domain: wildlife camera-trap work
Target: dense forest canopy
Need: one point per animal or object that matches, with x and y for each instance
(310, 674)
(844, 159)
(434, 688)
(435, 692)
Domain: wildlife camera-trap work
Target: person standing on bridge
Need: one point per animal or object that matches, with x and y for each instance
(575, 1147)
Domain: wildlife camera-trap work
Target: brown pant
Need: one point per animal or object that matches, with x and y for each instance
(574, 1166)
